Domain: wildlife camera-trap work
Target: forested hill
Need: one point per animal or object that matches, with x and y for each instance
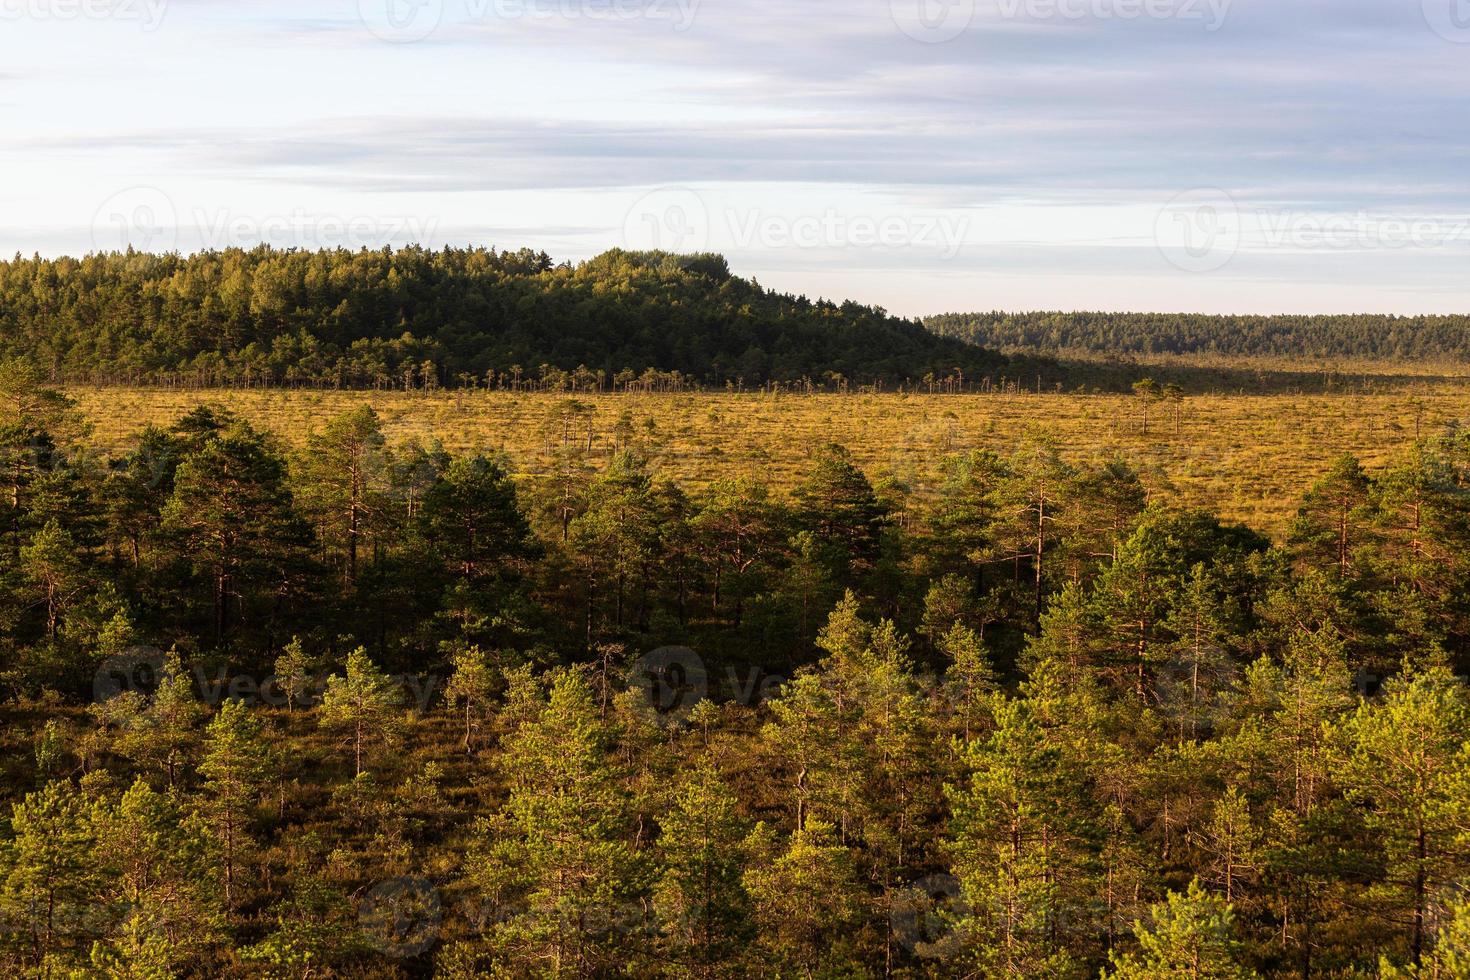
(1359, 336)
(423, 318)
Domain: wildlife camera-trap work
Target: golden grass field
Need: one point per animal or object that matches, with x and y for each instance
(1247, 457)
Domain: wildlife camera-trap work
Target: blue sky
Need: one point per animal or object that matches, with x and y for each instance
(923, 155)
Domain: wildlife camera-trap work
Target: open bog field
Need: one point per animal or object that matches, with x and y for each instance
(1248, 457)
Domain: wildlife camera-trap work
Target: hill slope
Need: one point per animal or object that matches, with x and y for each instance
(375, 319)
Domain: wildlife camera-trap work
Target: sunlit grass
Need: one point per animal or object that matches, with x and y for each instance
(1247, 457)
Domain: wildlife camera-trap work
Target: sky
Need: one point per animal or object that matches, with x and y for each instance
(927, 156)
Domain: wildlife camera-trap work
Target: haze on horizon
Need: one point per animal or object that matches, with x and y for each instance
(1269, 156)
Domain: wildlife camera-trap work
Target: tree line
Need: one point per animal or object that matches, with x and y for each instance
(366, 708)
(1364, 336)
(419, 319)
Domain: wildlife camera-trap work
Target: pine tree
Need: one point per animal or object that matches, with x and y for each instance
(1188, 937)
(343, 468)
(292, 676)
(50, 867)
(699, 898)
(837, 504)
(232, 520)
(1018, 845)
(969, 679)
(472, 684)
(563, 884)
(1334, 516)
(165, 733)
(1231, 843)
(363, 704)
(164, 878)
(52, 564)
(806, 902)
(234, 769)
(1405, 757)
(1448, 958)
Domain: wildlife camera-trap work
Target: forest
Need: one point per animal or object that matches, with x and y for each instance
(416, 319)
(359, 706)
(1379, 338)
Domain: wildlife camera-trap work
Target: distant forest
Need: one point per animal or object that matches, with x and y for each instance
(1360, 336)
(419, 319)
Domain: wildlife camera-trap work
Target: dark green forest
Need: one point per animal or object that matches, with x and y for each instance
(371, 709)
(1432, 338)
(420, 319)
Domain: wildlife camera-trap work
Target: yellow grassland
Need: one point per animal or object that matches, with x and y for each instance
(1246, 457)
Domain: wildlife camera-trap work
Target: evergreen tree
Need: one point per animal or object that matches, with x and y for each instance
(343, 469)
(232, 521)
(1018, 845)
(51, 869)
(234, 769)
(472, 684)
(1189, 936)
(292, 673)
(700, 899)
(563, 884)
(1405, 758)
(806, 902)
(363, 705)
(837, 504)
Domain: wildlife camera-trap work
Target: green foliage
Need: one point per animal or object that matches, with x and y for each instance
(363, 705)
(1190, 936)
(1364, 336)
(374, 319)
(970, 725)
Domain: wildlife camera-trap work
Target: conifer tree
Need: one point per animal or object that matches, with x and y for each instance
(234, 768)
(1189, 936)
(806, 902)
(292, 673)
(363, 705)
(1017, 844)
(472, 684)
(50, 867)
(701, 902)
(562, 882)
(1404, 763)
